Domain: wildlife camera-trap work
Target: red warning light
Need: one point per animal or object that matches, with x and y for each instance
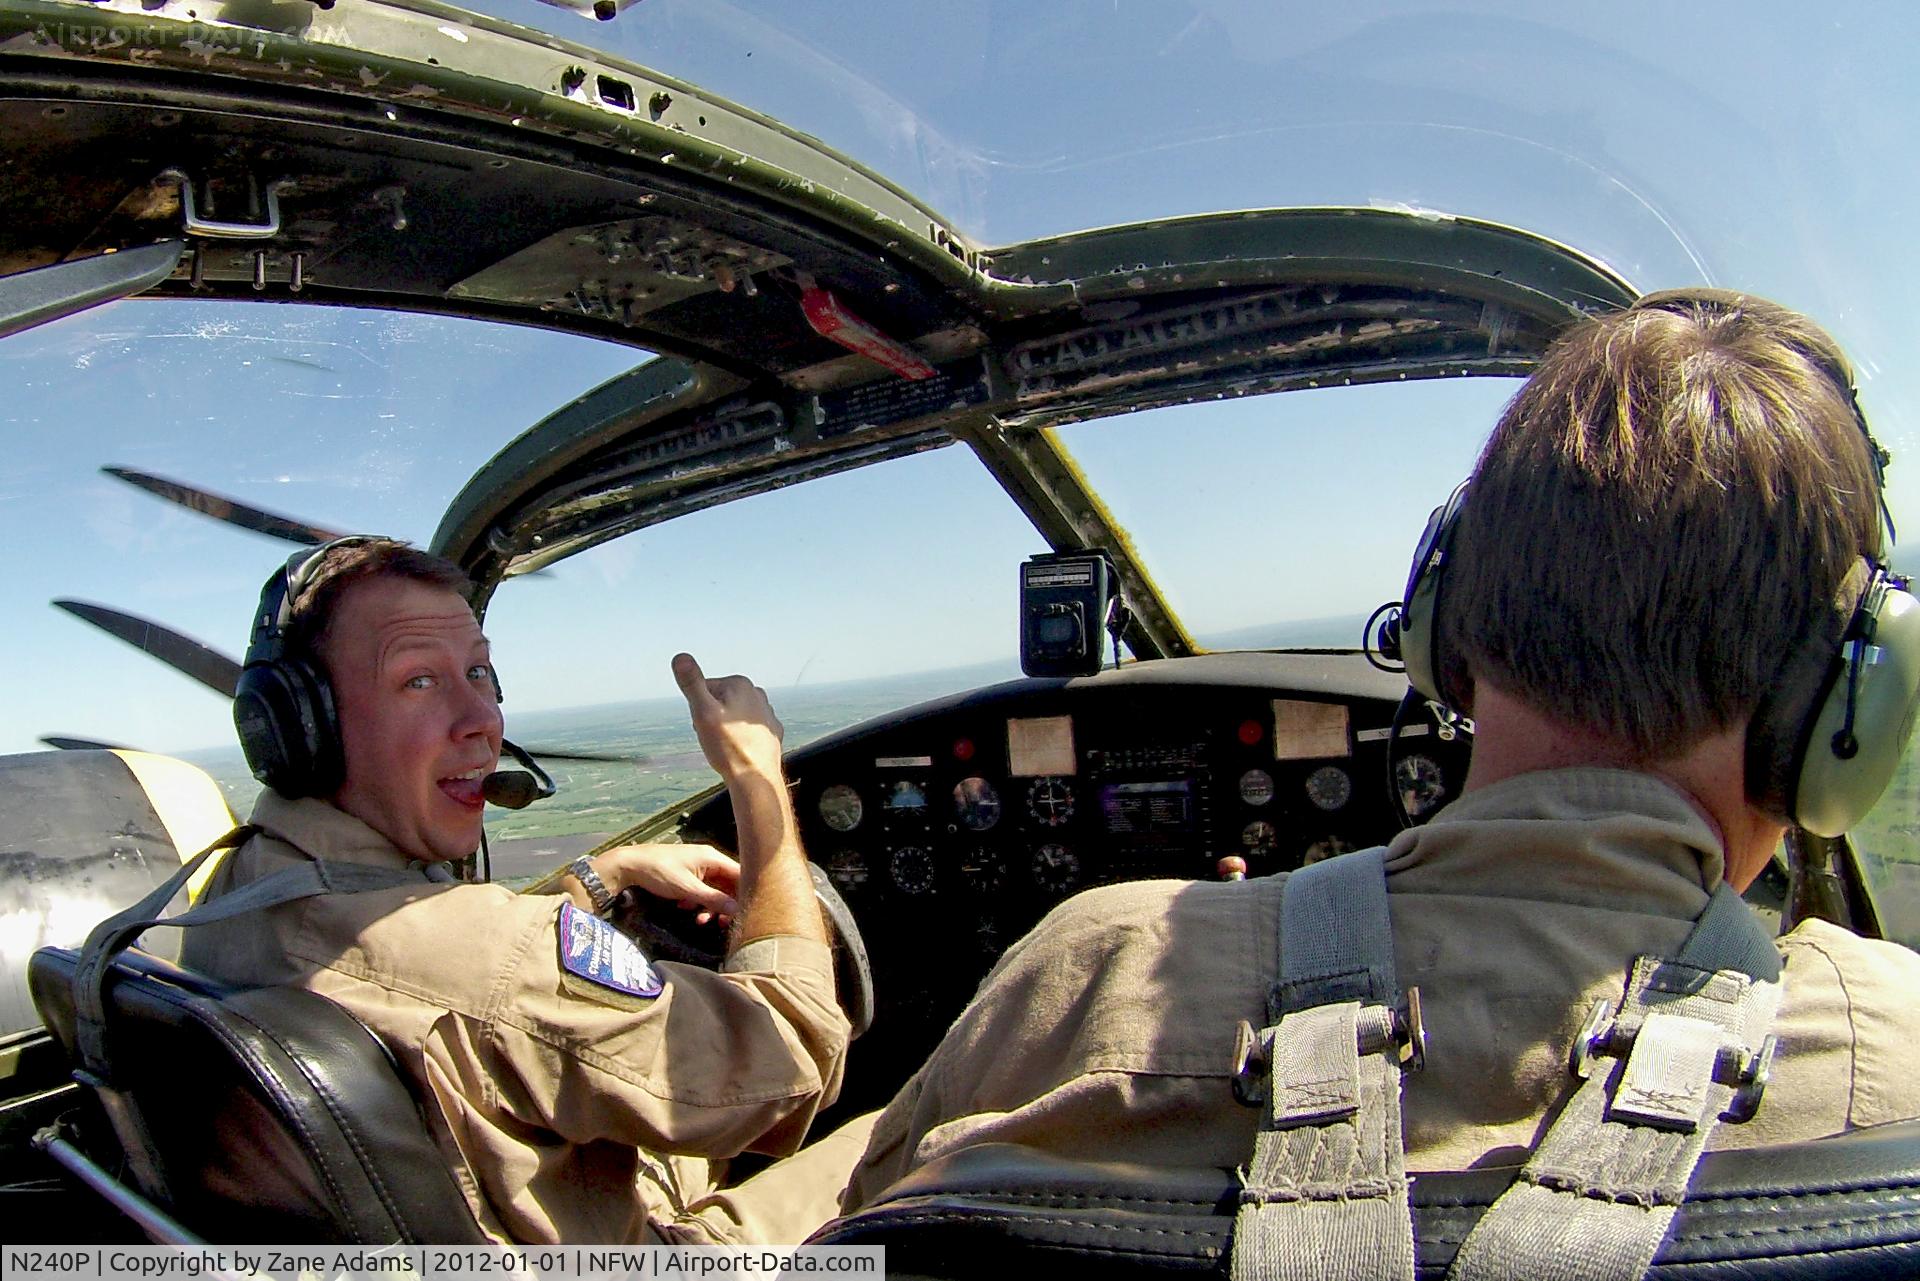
(962, 749)
(1251, 733)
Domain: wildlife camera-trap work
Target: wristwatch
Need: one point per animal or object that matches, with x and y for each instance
(582, 869)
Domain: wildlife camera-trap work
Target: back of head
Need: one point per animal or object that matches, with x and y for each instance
(284, 709)
(1665, 530)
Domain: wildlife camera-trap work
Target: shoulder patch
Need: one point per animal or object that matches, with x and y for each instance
(593, 950)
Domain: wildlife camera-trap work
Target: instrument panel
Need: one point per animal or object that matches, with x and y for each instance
(953, 827)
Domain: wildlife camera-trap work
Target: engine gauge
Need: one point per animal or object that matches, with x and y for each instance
(912, 868)
(1329, 787)
(1327, 849)
(991, 939)
(1055, 867)
(976, 804)
(847, 870)
(1050, 800)
(1422, 785)
(1258, 837)
(1256, 787)
(841, 808)
(984, 871)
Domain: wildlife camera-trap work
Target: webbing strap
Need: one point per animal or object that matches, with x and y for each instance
(1326, 1192)
(1599, 1194)
(114, 934)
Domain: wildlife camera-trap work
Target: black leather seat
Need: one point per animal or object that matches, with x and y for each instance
(1847, 1206)
(277, 1115)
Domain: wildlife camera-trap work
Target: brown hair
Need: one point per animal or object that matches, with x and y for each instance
(338, 566)
(1660, 526)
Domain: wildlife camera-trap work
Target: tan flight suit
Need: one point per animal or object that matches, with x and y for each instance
(1106, 1033)
(568, 1112)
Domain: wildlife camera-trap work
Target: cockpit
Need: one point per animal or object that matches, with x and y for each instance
(1226, 305)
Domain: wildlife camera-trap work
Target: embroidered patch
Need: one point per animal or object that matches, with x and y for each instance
(595, 951)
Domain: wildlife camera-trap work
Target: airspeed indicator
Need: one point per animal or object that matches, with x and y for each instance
(841, 808)
(1421, 783)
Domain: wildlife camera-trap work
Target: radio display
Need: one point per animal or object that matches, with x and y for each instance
(1148, 809)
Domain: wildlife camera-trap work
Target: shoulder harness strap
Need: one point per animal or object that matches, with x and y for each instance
(117, 932)
(1689, 1047)
(1326, 1193)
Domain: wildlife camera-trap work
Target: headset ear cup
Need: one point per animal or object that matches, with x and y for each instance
(1855, 741)
(284, 714)
(1420, 647)
(320, 725)
(1783, 720)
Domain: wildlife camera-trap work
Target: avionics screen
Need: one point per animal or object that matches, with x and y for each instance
(1148, 809)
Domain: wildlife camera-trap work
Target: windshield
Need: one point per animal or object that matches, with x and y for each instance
(1259, 528)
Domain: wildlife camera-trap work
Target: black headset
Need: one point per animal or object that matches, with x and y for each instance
(283, 705)
(1819, 752)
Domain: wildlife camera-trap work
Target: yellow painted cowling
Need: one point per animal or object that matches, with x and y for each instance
(83, 834)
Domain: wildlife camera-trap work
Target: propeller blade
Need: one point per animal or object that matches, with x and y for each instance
(182, 653)
(66, 744)
(222, 674)
(606, 758)
(230, 510)
(245, 515)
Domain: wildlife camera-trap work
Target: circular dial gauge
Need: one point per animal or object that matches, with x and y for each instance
(1258, 837)
(912, 868)
(1327, 849)
(984, 871)
(1329, 787)
(841, 808)
(1055, 867)
(1422, 785)
(1256, 787)
(1050, 800)
(847, 870)
(976, 804)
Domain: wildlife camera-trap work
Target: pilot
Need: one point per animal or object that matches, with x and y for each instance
(1662, 543)
(579, 1089)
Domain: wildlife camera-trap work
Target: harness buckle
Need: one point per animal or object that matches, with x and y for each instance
(1250, 1065)
(1755, 1069)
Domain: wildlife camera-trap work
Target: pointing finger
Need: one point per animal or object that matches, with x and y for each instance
(692, 681)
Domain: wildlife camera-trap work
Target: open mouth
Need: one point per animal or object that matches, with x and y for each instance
(464, 788)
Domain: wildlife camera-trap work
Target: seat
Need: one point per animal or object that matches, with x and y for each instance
(276, 1115)
(1840, 1207)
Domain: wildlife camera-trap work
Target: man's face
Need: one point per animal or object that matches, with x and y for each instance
(414, 688)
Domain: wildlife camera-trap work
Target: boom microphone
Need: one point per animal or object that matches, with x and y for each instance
(517, 789)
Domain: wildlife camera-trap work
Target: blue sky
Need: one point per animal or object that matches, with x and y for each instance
(1764, 146)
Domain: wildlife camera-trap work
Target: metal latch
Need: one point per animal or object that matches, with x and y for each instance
(1747, 1071)
(1405, 1039)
